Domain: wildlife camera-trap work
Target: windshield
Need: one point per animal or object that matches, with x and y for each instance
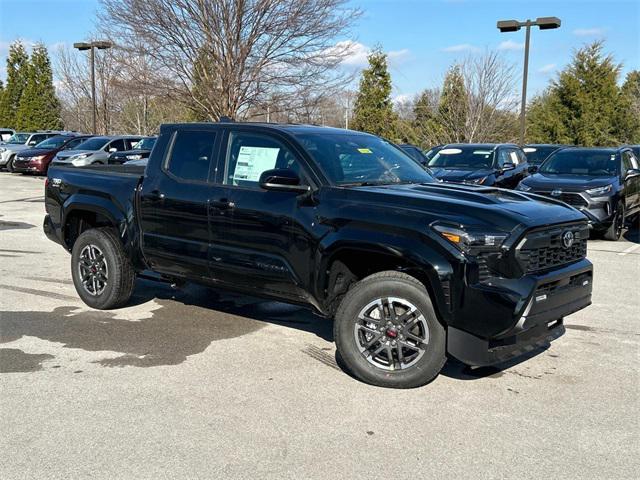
(356, 159)
(537, 155)
(472, 158)
(595, 163)
(95, 143)
(18, 138)
(53, 142)
(145, 144)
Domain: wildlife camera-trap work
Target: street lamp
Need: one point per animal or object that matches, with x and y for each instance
(100, 45)
(544, 23)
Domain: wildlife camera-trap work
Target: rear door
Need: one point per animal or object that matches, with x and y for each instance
(174, 205)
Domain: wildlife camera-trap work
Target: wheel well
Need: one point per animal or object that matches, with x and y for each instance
(350, 266)
(79, 221)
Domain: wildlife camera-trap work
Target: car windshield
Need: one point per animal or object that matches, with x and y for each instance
(53, 142)
(595, 163)
(95, 143)
(463, 157)
(537, 155)
(145, 144)
(18, 138)
(358, 159)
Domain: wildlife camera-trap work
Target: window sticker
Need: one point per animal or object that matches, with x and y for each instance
(252, 161)
(364, 150)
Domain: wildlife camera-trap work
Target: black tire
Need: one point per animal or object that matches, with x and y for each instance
(405, 288)
(119, 285)
(614, 232)
(9, 166)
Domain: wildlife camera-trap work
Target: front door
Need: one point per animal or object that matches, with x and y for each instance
(253, 230)
(174, 206)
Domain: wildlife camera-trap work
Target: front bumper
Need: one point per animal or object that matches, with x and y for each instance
(553, 296)
(28, 166)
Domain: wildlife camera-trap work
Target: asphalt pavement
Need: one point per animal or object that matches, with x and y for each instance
(198, 383)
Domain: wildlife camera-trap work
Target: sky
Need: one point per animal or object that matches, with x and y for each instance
(423, 38)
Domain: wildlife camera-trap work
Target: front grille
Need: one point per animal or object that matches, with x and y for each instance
(544, 249)
(573, 199)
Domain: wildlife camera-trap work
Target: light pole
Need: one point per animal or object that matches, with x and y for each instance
(100, 45)
(544, 23)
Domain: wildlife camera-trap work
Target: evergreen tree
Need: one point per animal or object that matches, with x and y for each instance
(427, 128)
(39, 108)
(584, 106)
(17, 64)
(373, 108)
(453, 107)
(628, 113)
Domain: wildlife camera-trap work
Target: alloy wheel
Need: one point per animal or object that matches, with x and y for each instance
(93, 270)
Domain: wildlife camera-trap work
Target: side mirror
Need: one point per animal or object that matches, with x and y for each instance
(283, 180)
(632, 172)
(32, 143)
(533, 168)
(113, 149)
(508, 166)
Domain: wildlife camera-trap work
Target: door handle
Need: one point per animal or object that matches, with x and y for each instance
(222, 204)
(155, 195)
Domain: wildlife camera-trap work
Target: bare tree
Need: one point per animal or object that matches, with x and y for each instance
(227, 57)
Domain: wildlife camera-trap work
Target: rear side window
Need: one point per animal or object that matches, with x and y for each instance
(191, 155)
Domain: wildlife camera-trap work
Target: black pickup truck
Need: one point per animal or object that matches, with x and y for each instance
(410, 269)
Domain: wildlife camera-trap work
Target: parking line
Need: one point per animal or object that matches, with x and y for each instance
(632, 248)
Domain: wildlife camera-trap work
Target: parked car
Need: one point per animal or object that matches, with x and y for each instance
(18, 142)
(538, 152)
(140, 150)
(38, 158)
(635, 149)
(603, 183)
(415, 152)
(5, 134)
(411, 269)
(501, 165)
(95, 151)
(432, 151)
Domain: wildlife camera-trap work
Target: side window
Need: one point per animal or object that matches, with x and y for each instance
(522, 158)
(250, 154)
(35, 139)
(130, 142)
(191, 155)
(73, 143)
(634, 160)
(626, 163)
(117, 144)
(513, 157)
(503, 157)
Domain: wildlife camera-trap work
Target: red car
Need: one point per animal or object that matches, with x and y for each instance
(37, 159)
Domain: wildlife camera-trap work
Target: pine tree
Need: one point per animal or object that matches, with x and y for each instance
(584, 106)
(628, 113)
(17, 64)
(39, 108)
(453, 107)
(373, 108)
(425, 124)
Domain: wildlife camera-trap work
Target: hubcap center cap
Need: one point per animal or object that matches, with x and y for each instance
(392, 333)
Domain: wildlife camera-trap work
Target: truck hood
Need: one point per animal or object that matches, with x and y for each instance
(568, 183)
(491, 207)
(459, 175)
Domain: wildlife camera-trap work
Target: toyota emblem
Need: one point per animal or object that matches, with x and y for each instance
(567, 239)
(556, 193)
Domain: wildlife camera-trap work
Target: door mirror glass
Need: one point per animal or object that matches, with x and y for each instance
(283, 180)
(113, 149)
(508, 166)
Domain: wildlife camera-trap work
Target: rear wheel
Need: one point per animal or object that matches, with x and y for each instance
(102, 273)
(387, 333)
(614, 232)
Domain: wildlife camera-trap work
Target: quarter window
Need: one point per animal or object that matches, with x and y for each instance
(250, 154)
(191, 155)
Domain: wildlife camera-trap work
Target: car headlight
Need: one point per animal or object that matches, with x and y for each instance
(134, 157)
(523, 188)
(37, 158)
(80, 156)
(595, 192)
(470, 241)
(476, 181)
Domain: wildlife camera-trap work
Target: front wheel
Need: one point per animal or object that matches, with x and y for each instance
(10, 165)
(387, 333)
(102, 273)
(614, 232)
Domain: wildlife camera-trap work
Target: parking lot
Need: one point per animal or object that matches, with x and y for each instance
(199, 383)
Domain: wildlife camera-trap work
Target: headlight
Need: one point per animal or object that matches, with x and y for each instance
(476, 181)
(595, 192)
(523, 188)
(469, 241)
(80, 156)
(37, 158)
(134, 157)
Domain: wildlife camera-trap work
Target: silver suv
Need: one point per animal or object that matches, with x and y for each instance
(21, 141)
(95, 151)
